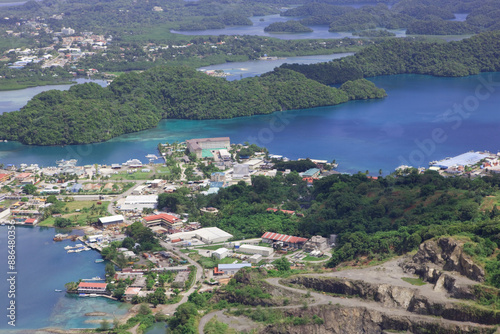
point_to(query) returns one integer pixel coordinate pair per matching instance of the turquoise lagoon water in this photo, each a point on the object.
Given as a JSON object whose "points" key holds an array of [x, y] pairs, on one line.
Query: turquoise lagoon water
{"points": [[360, 135], [42, 266]]}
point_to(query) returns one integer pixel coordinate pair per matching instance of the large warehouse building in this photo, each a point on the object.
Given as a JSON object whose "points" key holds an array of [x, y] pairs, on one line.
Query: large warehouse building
{"points": [[113, 220], [140, 202], [202, 146], [251, 249], [208, 235], [287, 240]]}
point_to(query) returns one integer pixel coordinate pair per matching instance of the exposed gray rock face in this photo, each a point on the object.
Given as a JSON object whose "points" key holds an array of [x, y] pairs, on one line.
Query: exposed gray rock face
{"points": [[408, 299], [444, 254], [352, 320]]}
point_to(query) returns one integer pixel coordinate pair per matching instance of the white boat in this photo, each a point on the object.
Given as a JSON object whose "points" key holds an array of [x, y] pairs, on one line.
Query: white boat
{"points": [[97, 278], [79, 250], [71, 251], [57, 290], [68, 247], [99, 260], [79, 245]]}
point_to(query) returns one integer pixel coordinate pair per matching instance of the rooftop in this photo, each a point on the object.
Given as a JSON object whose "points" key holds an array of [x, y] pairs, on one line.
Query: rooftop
{"points": [[195, 143], [163, 216], [465, 159], [283, 237], [132, 291], [111, 219], [92, 285], [233, 266]]}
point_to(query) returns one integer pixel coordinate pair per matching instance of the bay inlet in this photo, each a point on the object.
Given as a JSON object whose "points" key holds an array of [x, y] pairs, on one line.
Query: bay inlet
{"points": [[360, 135]]}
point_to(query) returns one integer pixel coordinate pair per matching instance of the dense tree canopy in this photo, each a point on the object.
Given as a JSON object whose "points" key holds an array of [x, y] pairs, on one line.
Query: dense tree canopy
{"points": [[402, 56], [288, 26], [137, 101]]}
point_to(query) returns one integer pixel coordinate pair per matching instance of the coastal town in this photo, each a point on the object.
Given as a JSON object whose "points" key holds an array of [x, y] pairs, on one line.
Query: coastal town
{"points": [[103, 202], [117, 210]]}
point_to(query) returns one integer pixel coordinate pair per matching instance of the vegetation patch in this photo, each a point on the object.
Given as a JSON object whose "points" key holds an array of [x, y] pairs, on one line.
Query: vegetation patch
{"points": [[413, 281]]}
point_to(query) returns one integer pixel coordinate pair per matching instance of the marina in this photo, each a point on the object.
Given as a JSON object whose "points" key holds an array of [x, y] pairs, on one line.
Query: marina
{"points": [[38, 256]]}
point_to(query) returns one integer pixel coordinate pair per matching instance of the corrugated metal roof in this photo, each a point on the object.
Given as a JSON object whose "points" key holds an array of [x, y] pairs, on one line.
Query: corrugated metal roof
{"points": [[163, 216], [92, 285], [283, 237], [233, 266]]}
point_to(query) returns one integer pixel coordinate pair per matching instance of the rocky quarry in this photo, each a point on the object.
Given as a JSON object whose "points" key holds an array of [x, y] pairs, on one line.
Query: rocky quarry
{"points": [[377, 299]]}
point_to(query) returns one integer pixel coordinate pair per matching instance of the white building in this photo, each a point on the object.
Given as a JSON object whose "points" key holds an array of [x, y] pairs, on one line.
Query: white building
{"points": [[231, 269], [94, 238], [112, 220], [256, 258], [251, 249], [224, 154], [139, 202], [208, 235], [67, 31], [241, 171], [220, 253], [133, 163]]}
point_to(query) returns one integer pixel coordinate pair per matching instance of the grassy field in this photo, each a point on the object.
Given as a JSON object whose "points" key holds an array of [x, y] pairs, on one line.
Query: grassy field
{"points": [[159, 34], [215, 247], [78, 218], [314, 258], [133, 176], [163, 170]]}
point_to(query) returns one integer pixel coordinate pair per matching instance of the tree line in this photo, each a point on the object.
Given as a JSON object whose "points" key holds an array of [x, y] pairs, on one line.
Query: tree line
{"points": [[406, 56], [89, 113]]}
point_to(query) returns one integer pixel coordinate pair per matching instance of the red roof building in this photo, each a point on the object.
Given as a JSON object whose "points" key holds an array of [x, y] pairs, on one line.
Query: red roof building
{"points": [[30, 221], [85, 287], [22, 176], [4, 177], [295, 242], [163, 219]]}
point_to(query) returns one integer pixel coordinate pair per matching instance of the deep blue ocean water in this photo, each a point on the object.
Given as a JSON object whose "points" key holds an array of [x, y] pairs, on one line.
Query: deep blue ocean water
{"points": [[360, 135], [43, 265]]}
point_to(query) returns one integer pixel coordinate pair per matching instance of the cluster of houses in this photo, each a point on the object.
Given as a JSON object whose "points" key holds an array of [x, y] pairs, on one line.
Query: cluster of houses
{"points": [[70, 50]]}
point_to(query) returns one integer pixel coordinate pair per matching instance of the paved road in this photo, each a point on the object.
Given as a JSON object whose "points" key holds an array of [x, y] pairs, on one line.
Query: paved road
{"points": [[170, 309], [322, 299], [124, 194]]}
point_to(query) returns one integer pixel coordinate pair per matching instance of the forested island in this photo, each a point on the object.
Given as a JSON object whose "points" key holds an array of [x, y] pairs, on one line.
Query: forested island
{"points": [[36, 51], [402, 56], [89, 113], [288, 26], [138, 101], [419, 17]]}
